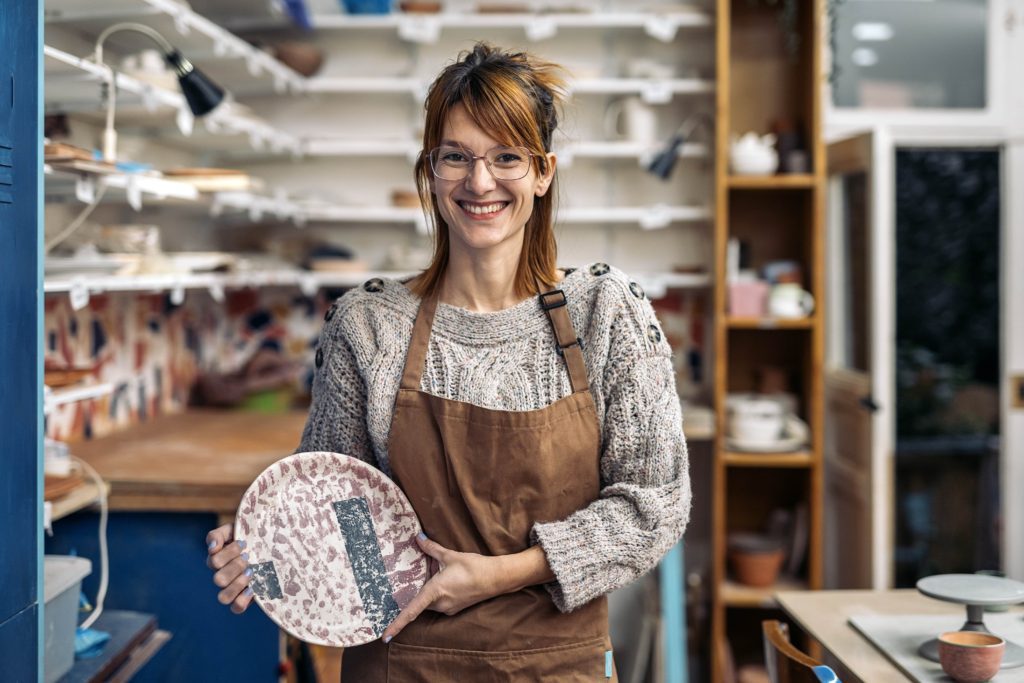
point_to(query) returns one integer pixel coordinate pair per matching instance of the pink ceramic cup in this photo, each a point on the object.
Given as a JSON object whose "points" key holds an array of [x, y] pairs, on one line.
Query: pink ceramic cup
{"points": [[970, 656]]}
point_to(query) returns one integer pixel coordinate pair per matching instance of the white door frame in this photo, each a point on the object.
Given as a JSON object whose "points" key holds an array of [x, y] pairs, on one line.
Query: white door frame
{"points": [[1000, 125]]}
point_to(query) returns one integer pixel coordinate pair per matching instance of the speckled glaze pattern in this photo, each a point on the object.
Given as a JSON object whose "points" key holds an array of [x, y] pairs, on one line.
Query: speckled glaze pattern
{"points": [[289, 518]]}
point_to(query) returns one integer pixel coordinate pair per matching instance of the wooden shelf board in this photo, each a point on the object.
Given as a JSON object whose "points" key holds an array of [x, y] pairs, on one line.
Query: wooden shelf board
{"points": [[797, 459], [793, 181], [82, 496], [770, 323], [733, 594]]}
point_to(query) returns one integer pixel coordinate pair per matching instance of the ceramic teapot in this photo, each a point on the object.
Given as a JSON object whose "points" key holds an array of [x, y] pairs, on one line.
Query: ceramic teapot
{"points": [[753, 154]]}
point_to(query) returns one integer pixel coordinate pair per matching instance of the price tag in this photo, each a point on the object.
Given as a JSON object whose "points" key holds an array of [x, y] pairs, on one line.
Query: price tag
{"points": [[655, 218], [178, 294], [78, 294], [217, 292], [186, 121], [309, 285], [85, 189], [419, 29], [661, 28], [133, 188], [656, 92], [541, 28]]}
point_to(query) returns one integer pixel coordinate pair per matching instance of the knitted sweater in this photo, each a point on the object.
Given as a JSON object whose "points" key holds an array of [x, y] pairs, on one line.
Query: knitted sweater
{"points": [[506, 360]]}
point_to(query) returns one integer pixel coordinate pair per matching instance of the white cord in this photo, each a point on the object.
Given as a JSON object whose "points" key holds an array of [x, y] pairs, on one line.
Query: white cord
{"points": [[101, 594], [79, 219]]}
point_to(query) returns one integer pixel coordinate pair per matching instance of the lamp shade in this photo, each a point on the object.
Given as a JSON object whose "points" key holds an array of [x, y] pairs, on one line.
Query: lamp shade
{"points": [[202, 94], [665, 161]]}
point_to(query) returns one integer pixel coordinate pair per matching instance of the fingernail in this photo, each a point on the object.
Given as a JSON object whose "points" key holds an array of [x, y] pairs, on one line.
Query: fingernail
{"points": [[247, 591], [245, 556], [211, 545], [387, 639], [422, 536], [248, 571], [241, 544]]}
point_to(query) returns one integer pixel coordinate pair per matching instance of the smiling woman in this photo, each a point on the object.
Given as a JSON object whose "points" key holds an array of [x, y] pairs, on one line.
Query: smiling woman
{"points": [[529, 414]]}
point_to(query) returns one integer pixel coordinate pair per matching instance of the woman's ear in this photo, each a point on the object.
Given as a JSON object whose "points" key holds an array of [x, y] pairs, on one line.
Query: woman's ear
{"points": [[544, 180]]}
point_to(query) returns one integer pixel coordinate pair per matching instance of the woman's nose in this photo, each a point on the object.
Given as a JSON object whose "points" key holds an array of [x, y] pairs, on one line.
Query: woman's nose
{"points": [[479, 180]]}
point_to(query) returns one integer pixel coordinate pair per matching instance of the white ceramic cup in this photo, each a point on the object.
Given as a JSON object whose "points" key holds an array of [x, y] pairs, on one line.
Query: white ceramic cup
{"points": [[633, 119], [756, 420], [789, 300]]}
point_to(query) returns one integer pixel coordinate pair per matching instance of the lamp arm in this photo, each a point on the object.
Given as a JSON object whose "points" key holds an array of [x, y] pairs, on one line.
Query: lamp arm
{"points": [[109, 134]]}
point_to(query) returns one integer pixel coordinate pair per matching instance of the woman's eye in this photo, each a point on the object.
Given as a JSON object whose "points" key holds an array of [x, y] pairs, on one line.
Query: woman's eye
{"points": [[508, 158]]}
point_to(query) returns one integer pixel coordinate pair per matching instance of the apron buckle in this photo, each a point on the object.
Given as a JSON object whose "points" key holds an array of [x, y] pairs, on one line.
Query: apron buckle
{"points": [[546, 305], [560, 350]]}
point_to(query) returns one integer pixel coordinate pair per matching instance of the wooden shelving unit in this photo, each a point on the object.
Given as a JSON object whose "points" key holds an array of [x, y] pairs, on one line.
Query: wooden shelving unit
{"points": [[761, 81]]}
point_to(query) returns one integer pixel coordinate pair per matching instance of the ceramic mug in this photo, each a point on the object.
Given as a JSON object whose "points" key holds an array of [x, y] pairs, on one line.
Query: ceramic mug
{"points": [[789, 300], [755, 419], [633, 119]]}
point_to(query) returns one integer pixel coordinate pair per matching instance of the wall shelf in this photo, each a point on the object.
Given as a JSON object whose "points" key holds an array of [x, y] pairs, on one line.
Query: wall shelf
{"points": [[224, 56], [734, 594], [73, 84], [409, 149], [770, 323], [741, 459], [772, 182]]}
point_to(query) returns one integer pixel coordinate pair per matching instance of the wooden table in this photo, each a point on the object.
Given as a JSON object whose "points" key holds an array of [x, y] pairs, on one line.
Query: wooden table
{"points": [[825, 614], [198, 461]]}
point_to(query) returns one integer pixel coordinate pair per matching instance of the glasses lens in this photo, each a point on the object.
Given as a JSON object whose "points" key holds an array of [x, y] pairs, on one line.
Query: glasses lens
{"points": [[450, 163], [509, 163], [504, 163]]}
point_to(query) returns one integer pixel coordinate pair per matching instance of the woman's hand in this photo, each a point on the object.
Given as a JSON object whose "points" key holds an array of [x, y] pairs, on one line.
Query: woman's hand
{"points": [[464, 579], [230, 563]]}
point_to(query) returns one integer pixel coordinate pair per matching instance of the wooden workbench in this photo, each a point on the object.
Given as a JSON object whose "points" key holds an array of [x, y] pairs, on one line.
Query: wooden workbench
{"points": [[198, 461]]}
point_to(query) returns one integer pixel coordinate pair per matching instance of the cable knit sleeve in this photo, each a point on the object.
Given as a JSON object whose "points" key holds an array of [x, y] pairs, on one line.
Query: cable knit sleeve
{"points": [[337, 414], [644, 504]]}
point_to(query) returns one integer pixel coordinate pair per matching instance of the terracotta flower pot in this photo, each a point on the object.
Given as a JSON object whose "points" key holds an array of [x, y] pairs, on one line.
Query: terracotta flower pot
{"points": [[971, 656], [755, 559]]}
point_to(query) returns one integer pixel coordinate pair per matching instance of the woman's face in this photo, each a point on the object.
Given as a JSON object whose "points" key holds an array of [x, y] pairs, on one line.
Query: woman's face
{"points": [[481, 212]]}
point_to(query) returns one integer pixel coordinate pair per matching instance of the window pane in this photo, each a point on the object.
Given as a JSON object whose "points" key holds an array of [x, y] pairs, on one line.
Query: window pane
{"points": [[909, 54]]}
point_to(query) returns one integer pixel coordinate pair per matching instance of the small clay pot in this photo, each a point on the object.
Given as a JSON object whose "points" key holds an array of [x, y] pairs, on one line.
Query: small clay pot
{"points": [[971, 656], [304, 58], [756, 559]]}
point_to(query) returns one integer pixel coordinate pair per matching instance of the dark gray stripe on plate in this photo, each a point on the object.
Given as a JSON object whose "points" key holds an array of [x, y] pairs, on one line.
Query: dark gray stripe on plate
{"points": [[367, 562], [264, 581]]}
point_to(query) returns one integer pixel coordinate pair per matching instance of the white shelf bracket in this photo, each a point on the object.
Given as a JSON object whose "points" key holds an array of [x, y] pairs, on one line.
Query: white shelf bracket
{"points": [[541, 28], [661, 28], [426, 30], [655, 218], [78, 294]]}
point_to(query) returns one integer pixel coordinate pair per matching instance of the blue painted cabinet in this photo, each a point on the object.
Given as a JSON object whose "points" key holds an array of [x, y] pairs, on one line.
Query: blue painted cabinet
{"points": [[20, 313]]}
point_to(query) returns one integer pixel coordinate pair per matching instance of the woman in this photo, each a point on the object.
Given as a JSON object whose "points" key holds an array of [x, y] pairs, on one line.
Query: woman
{"points": [[529, 414]]}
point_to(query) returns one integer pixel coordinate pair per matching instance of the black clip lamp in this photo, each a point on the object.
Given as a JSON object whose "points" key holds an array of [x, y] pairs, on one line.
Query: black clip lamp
{"points": [[665, 160], [201, 94]]}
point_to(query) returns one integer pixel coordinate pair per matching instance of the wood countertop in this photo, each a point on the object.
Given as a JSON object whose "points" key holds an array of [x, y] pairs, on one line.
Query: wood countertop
{"points": [[198, 461]]}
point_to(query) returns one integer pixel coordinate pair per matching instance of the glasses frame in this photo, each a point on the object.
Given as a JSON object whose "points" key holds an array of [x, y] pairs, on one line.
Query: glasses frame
{"points": [[473, 158]]}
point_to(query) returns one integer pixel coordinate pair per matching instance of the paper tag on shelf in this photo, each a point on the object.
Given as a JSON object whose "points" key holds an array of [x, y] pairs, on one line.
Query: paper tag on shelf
{"points": [[661, 28], [133, 190], [541, 28], [178, 294], [217, 292], [309, 285], [78, 294], [655, 217], [656, 92], [419, 29], [85, 189], [185, 121]]}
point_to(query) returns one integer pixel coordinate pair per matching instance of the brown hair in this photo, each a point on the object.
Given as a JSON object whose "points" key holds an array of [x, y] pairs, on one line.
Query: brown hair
{"points": [[513, 96]]}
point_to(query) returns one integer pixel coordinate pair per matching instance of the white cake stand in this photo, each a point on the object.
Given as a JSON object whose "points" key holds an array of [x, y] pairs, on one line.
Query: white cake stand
{"points": [[977, 592]]}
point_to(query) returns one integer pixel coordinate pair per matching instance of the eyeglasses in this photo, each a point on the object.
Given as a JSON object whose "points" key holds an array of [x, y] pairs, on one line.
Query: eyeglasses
{"points": [[450, 162]]}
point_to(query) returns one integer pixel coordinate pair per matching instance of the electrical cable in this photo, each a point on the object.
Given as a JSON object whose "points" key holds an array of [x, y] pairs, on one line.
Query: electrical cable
{"points": [[77, 222], [101, 594]]}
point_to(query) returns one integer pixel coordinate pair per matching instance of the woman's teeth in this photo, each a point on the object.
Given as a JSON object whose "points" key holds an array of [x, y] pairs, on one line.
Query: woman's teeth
{"points": [[481, 209]]}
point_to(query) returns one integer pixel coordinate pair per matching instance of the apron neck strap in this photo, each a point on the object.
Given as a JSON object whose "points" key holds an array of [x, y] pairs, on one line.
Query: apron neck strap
{"points": [[568, 345], [417, 354]]}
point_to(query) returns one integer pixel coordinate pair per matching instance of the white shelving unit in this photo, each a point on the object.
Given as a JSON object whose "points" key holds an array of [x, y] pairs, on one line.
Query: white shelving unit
{"points": [[225, 56]]}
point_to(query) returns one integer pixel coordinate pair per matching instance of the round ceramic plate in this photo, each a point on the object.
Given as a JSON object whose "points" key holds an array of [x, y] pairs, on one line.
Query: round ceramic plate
{"points": [[783, 445], [332, 546]]}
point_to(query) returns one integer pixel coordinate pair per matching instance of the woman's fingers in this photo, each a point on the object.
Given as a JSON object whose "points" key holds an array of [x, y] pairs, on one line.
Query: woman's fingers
{"points": [[234, 588], [433, 549], [241, 603], [218, 538], [422, 601]]}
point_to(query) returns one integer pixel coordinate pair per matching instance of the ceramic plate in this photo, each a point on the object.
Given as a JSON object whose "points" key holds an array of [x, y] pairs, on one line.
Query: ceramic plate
{"points": [[331, 541]]}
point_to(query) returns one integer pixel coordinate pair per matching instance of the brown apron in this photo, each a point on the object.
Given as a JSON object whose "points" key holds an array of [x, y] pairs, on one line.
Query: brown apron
{"points": [[479, 479]]}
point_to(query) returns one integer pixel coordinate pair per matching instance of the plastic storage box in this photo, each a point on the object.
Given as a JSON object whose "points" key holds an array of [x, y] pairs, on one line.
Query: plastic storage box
{"points": [[62, 584]]}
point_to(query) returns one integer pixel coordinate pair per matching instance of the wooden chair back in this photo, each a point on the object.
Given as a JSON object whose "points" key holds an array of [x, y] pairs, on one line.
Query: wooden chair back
{"points": [[785, 663]]}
